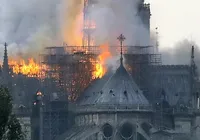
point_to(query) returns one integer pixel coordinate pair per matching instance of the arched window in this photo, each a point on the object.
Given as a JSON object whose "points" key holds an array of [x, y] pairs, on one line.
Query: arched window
{"points": [[107, 130], [126, 131]]}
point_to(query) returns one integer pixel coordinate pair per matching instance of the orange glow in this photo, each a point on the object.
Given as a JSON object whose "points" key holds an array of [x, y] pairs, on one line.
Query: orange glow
{"points": [[99, 70], [39, 93], [100, 67], [73, 22], [30, 69], [74, 35]]}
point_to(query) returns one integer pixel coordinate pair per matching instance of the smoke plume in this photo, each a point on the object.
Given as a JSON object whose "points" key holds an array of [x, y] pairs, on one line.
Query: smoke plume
{"points": [[71, 21], [181, 53], [29, 26], [116, 17]]}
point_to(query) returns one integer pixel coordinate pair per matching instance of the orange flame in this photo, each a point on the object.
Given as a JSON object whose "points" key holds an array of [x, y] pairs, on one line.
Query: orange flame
{"points": [[73, 23], [100, 67], [30, 69]]}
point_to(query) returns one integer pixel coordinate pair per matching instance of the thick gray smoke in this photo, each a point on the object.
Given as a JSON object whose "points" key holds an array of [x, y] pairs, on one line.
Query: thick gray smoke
{"points": [[181, 53], [28, 26], [116, 17]]}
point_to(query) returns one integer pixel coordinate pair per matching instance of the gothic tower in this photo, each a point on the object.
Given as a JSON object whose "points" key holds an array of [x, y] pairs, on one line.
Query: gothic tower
{"points": [[5, 59], [5, 70]]}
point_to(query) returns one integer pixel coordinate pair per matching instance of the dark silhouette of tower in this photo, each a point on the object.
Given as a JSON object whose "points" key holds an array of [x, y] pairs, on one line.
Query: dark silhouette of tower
{"points": [[5, 59], [5, 70], [194, 80], [36, 117]]}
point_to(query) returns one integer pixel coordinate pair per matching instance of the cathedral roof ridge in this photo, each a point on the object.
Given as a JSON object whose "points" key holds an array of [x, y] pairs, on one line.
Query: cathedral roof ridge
{"points": [[121, 89]]}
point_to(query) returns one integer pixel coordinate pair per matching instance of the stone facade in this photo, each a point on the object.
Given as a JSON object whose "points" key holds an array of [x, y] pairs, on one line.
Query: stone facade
{"points": [[107, 116], [26, 126]]}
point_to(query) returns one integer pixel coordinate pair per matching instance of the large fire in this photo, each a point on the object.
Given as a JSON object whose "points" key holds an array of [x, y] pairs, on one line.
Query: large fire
{"points": [[30, 68], [73, 35], [100, 67]]}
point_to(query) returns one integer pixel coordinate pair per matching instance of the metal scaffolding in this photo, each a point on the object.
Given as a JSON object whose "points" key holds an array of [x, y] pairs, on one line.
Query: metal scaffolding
{"points": [[55, 119], [89, 25], [72, 67]]}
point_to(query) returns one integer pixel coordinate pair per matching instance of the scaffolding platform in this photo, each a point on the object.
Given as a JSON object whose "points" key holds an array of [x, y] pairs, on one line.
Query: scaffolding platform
{"points": [[72, 67]]}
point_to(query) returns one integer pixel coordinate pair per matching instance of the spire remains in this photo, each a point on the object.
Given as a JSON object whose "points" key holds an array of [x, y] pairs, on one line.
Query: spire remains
{"points": [[5, 69], [121, 38], [5, 44], [5, 59]]}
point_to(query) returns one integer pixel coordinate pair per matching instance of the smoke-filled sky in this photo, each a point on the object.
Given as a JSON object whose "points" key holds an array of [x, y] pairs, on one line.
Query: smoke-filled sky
{"points": [[176, 20], [30, 25]]}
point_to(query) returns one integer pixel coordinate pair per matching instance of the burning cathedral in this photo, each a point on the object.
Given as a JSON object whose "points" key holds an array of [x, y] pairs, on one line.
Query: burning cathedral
{"points": [[141, 100]]}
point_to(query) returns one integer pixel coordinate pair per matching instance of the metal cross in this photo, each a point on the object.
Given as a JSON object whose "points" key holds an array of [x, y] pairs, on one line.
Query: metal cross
{"points": [[121, 38]]}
